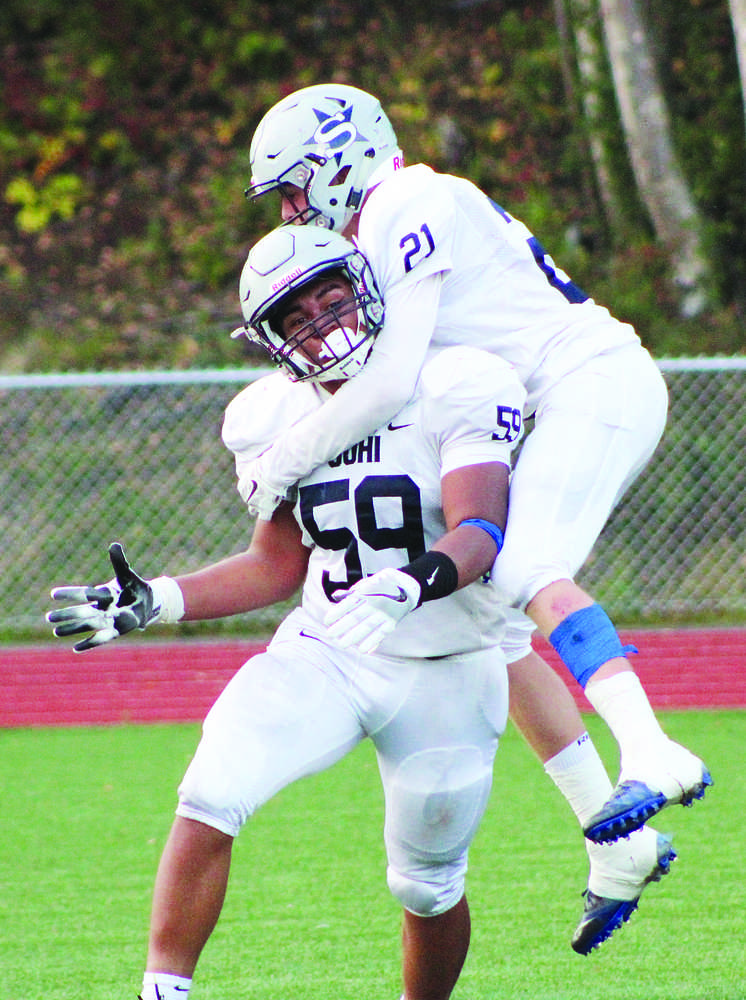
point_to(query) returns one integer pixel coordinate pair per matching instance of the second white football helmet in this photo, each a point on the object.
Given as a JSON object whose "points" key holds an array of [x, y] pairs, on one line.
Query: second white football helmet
{"points": [[279, 266], [327, 140]]}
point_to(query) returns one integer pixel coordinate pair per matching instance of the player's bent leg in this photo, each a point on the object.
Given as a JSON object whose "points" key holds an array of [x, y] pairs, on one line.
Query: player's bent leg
{"points": [[279, 718], [188, 897], [592, 438], [433, 952], [619, 874], [656, 772]]}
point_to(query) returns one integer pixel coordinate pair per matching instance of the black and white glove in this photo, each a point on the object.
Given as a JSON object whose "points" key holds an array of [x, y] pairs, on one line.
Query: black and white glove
{"points": [[112, 609], [371, 609]]}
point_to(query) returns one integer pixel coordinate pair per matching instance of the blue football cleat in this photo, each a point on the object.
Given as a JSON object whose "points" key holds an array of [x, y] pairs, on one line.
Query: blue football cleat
{"points": [[633, 802], [603, 915]]}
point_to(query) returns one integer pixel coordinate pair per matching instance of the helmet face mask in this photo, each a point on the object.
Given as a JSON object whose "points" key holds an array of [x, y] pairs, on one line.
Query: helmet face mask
{"points": [[327, 347], [327, 140], [296, 178], [335, 342]]}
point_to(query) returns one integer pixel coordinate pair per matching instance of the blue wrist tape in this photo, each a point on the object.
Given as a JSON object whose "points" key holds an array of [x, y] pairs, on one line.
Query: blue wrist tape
{"points": [[492, 529], [586, 640]]}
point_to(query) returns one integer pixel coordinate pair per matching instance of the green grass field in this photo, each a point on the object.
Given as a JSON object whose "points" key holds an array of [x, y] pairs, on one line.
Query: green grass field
{"points": [[308, 916]]}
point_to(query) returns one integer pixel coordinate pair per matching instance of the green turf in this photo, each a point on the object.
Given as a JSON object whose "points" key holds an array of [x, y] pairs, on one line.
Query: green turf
{"points": [[308, 917]]}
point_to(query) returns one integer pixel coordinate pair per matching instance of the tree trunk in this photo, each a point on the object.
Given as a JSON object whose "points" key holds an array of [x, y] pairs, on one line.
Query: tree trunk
{"points": [[738, 18], [647, 128], [581, 18]]}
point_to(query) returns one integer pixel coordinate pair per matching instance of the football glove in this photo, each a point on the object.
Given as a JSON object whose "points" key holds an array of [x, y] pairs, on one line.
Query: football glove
{"points": [[371, 609], [112, 609], [260, 498]]}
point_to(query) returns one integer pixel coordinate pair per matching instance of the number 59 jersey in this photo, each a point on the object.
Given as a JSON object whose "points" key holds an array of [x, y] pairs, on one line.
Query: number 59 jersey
{"points": [[378, 504]]}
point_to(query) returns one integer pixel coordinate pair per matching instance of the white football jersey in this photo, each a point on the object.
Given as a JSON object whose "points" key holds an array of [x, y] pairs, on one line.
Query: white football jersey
{"points": [[378, 504], [501, 291]]}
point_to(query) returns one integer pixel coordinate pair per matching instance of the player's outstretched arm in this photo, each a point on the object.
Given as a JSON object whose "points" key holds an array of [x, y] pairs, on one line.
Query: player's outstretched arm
{"points": [[270, 570]]}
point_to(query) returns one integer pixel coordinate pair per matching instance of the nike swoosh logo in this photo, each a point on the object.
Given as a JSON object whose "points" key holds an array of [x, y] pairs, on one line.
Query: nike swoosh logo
{"points": [[398, 427], [399, 598], [307, 635]]}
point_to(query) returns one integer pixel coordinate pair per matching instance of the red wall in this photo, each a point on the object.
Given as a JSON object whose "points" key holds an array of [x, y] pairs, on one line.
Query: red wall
{"points": [[138, 681]]}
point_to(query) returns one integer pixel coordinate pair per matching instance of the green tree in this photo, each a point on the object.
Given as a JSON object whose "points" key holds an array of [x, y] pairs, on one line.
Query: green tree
{"points": [[124, 135]]}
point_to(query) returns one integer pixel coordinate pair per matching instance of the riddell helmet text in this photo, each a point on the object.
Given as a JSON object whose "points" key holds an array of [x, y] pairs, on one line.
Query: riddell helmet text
{"points": [[286, 279]]}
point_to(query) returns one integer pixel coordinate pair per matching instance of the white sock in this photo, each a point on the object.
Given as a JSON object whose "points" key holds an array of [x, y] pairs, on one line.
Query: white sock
{"points": [[580, 775], [165, 986], [621, 702]]}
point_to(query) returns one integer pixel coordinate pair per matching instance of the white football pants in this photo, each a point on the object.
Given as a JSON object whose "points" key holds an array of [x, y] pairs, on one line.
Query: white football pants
{"points": [[594, 433], [304, 704]]}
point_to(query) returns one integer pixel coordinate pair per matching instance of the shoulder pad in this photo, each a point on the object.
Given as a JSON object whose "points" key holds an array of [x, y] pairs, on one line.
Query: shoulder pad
{"points": [[260, 412]]}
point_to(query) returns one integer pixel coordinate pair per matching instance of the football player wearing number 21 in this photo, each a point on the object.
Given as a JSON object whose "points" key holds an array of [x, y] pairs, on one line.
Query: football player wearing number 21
{"points": [[454, 267]]}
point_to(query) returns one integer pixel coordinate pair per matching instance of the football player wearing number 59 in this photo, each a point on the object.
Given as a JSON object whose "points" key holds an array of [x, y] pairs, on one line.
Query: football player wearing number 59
{"points": [[398, 634], [456, 268]]}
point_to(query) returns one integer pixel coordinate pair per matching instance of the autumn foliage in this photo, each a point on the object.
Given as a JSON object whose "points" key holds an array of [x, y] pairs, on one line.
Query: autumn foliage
{"points": [[124, 134]]}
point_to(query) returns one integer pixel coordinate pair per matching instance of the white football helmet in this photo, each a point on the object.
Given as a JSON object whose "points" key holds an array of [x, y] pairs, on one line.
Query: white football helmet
{"points": [[327, 140], [278, 266]]}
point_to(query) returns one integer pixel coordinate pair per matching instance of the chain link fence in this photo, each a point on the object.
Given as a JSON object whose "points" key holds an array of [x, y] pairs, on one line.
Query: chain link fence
{"points": [[138, 458]]}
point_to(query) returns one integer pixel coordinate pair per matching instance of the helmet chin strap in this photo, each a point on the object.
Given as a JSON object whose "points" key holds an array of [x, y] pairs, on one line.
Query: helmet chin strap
{"points": [[341, 344]]}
